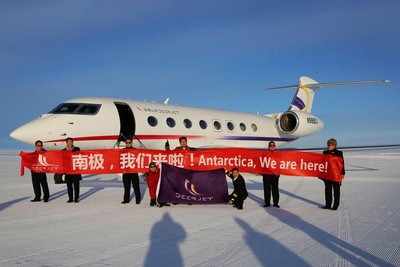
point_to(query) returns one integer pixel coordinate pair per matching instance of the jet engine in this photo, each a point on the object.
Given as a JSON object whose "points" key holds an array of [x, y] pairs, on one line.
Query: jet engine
{"points": [[296, 123]]}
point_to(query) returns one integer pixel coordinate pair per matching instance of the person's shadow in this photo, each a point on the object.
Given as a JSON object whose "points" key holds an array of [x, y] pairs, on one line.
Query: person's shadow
{"points": [[165, 237], [268, 251], [354, 255], [8, 204]]}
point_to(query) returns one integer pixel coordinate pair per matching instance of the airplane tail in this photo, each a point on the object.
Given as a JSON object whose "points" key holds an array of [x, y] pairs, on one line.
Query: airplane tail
{"points": [[304, 97]]}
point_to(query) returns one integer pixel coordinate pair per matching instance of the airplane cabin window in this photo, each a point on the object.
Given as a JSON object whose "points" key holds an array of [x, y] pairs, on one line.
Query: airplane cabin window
{"points": [[77, 108], [152, 121], [230, 126], [242, 126], [187, 123], [254, 127], [217, 126], [203, 124], [171, 122]]}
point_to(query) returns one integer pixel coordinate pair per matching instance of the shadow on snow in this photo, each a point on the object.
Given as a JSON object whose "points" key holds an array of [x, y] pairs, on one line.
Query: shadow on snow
{"points": [[165, 237]]}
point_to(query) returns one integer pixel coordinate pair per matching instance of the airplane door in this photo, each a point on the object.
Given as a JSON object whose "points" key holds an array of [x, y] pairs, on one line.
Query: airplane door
{"points": [[127, 121]]}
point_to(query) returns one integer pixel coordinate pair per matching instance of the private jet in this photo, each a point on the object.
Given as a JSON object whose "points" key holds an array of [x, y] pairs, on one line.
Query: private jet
{"points": [[98, 123]]}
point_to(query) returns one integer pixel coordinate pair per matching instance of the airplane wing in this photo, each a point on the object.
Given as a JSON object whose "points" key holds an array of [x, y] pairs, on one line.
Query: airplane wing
{"points": [[345, 148]]}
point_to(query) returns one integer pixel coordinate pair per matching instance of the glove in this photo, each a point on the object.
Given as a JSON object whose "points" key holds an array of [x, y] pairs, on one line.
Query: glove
{"points": [[230, 202]]}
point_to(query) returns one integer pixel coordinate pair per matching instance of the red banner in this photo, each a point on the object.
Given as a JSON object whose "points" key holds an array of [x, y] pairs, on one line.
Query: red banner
{"points": [[294, 163], [52, 161]]}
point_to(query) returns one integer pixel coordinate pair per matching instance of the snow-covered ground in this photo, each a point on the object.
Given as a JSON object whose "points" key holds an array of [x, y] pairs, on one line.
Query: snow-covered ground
{"points": [[99, 231]]}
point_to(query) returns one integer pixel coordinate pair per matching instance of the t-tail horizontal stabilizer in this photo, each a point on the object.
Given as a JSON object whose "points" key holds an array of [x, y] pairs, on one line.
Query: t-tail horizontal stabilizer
{"points": [[306, 88]]}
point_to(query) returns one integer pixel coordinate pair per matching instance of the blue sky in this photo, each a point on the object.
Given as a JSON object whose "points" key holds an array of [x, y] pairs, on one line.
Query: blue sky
{"points": [[215, 54]]}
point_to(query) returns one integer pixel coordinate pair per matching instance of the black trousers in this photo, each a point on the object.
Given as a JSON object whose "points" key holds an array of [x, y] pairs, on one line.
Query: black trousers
{"points": [[239, 199], [40, 179], [329, 185], [128, 179], [73, 186], [239, 202], [271, 183]]}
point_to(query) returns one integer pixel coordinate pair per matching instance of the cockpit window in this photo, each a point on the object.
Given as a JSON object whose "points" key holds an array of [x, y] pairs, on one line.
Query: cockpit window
{"points": [[88, 109], [77, 108], [65, 108]]}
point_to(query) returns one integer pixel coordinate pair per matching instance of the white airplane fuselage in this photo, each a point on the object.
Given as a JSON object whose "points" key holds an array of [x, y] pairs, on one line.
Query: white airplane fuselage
{"points": [[96, 123]]}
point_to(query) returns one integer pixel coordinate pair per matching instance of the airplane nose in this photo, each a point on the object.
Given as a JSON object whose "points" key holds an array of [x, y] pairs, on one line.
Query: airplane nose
{"points": [[14, 134], [42, 128], [32, 131], [21, 134]]}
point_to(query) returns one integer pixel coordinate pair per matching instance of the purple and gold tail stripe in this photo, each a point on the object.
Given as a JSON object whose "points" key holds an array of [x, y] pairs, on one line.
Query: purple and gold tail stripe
{"points": [[303, 99], [297, 102]]}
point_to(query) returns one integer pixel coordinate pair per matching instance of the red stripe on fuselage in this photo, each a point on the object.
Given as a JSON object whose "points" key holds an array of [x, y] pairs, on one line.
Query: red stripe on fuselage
{"points": [[146, 137]]}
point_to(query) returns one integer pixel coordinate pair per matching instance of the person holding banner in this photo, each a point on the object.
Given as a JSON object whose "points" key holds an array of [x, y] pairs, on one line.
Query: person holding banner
{"points": [[40, 179], [130, 178], [239, 193], [270, 183], [152, 177], [329, 185], [72, 180], [183, 145]]}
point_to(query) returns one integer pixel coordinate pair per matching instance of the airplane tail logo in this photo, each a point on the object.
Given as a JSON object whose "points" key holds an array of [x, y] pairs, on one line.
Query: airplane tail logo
{"points": [[191, 189], [303, 100]]}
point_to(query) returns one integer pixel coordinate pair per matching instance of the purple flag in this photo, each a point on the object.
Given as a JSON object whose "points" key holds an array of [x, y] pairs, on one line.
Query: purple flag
{"points": [[184, 186]]}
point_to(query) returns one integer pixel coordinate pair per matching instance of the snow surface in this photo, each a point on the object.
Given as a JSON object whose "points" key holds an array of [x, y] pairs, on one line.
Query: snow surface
{"points": [[99, 231]]}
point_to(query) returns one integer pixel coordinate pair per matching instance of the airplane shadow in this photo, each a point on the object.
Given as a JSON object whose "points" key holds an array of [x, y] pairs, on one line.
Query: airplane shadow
{"points": [[259, 186], [165, 237], [267, 250], [88, 176], [290, 194], [355, 168], [97, 185], [351, 253], [98, 182], [58, 194], [8, 204]]}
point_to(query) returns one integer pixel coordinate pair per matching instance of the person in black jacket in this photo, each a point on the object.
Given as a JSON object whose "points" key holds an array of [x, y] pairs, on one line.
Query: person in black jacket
{"points": [[72, 180], [239, 193], [40, 179], [270, 183], [329, 185], [130, 178]]}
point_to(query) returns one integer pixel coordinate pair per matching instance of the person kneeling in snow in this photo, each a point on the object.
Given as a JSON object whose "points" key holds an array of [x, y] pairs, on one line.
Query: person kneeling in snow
{"points": [[239, 193]]}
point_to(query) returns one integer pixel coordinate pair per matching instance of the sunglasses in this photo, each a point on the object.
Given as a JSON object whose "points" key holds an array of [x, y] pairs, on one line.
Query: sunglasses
{"points": [[128, 142], [39, 145], [271, 145]]}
